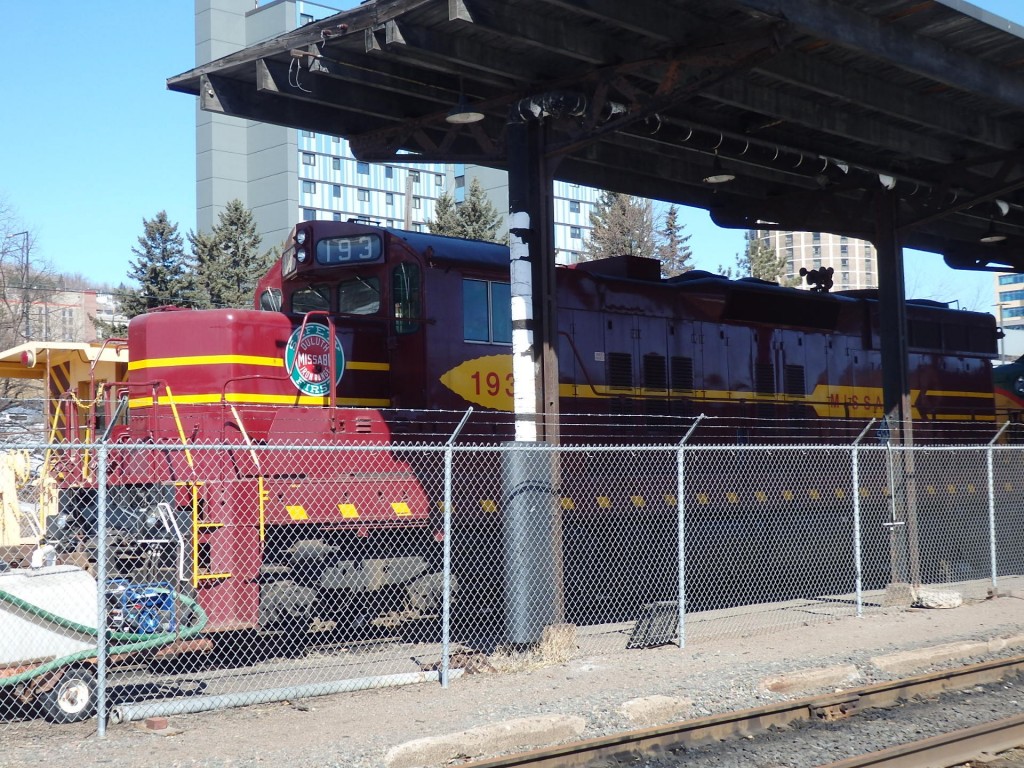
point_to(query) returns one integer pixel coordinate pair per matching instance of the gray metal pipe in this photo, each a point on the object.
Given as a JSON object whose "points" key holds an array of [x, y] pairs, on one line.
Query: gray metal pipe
{"points": [[126, 713]]}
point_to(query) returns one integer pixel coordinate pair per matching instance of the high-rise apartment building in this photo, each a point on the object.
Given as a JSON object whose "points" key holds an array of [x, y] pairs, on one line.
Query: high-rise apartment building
{"points": [[1009, 289], [285, 175], [853, 261]]}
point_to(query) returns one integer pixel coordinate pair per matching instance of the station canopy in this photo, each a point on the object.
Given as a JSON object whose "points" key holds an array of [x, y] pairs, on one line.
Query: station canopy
{"points": [[777, 114]]}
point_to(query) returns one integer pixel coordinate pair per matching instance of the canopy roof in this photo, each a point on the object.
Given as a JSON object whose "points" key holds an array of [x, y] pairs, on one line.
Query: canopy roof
{"points": [[811, 104], [34, 359]]}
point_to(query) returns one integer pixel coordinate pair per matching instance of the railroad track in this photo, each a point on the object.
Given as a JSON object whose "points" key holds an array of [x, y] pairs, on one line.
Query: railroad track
{"points": [[947, 750]]}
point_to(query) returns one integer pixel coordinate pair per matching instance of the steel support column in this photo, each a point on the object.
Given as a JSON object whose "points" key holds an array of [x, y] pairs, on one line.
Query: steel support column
{"points": [[892, 308], [896, 387], [535, 322], [532, 222]]}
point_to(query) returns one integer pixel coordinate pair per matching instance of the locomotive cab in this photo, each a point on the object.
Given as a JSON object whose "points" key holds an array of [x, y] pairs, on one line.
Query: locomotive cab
{"points": [[361, 282]]}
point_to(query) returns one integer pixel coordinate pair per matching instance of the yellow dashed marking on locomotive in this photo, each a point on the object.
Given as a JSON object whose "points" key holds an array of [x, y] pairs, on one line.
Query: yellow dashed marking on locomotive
{"points": [[348, 510], [865, 492], [761, 496], [702, 498], [604, 502], [732, 497], [297, 512], [787, 495], [401, 509], [813, 493], [568, 503], [638, 501], [970, 487], [840, 493], [1007, 487], [931, 490], [670, 499], [488, 505], [952, 489]]}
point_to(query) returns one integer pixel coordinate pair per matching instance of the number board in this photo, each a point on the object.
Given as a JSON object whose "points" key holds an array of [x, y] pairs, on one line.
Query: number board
{"points": [[354, 249]]}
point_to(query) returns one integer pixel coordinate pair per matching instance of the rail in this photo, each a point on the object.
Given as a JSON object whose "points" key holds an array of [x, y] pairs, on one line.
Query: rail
{"points": [[954, 748], [627, 747]]}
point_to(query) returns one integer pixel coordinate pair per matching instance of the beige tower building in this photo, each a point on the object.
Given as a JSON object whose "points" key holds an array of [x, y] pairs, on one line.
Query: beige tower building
{"points": [[853, 261]]}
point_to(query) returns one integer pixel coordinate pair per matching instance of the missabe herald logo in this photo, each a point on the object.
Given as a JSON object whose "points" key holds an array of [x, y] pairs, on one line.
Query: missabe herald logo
{"points": [[307, 360]]}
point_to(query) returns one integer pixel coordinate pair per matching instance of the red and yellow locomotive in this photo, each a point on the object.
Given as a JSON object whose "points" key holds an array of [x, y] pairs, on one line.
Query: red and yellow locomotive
{"points": [[363, 338]]}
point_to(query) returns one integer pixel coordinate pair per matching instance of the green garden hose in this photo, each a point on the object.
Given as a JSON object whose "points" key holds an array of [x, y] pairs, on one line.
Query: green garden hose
{"points": [[133, 642]]}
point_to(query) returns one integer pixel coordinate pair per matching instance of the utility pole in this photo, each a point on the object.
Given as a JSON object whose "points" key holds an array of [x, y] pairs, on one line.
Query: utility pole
{"points": [[407, 218]]}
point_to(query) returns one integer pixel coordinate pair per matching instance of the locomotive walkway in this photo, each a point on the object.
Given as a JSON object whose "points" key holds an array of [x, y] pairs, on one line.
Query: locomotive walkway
{"points": [[731, 661]]}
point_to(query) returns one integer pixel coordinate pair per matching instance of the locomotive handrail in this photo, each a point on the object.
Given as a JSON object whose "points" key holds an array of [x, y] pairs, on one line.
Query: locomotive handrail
{"points": [[247, 377], [332, 337], [122, 403], [113, 341], [260, 490], [167, 518], [245, 436], [580, 361], [181, 428]]}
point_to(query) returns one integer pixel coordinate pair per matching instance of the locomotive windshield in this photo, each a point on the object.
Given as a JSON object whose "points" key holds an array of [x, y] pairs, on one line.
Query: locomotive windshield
{"points": [[360, 296], [352, 249]]}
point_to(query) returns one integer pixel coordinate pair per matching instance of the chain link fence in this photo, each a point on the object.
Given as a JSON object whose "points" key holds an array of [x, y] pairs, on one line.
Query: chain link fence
{"points": [[177, 578]]}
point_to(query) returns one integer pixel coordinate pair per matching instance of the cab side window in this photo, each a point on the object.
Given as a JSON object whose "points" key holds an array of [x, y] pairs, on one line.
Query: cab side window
{"points": [[405, 289], [270, 300], [486, 311]]}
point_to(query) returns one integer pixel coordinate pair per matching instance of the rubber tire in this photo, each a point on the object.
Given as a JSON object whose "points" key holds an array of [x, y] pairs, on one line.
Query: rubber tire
{"points": [[72, 699]]}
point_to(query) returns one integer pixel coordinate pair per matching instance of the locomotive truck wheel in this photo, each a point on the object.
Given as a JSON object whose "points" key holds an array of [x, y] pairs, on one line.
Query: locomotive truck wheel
{"points": [[72, 699]]}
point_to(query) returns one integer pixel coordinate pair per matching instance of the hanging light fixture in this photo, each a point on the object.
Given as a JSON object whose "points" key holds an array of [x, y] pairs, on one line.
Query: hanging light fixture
{"points": [[991, 236], [462, 113], [718, 174]]}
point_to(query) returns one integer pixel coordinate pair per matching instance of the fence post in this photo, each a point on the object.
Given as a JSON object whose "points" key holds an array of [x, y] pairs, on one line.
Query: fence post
{"points": [[858, 565], [681, 530], [992, 504], [101, 590], [446, 575]]}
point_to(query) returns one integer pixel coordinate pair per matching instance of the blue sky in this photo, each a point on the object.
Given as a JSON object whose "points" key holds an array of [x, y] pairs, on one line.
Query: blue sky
{"points": [[92, 142]]}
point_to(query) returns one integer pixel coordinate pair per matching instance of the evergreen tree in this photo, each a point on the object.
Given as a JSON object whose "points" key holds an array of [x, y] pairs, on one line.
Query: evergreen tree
{"points": [[161, 268], [474, 219], [480, 219], [204, 254], [446, 217], [673, 250], [228, 259], [760, 261], [621, 225]]}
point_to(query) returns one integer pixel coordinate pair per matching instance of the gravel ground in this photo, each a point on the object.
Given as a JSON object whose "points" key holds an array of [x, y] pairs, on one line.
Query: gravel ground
{"points": [[811, 744], [711, 676]]}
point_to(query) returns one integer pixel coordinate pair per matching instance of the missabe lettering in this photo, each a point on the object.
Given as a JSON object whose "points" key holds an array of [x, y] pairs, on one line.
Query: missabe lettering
{"points": [[308, 361]]}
